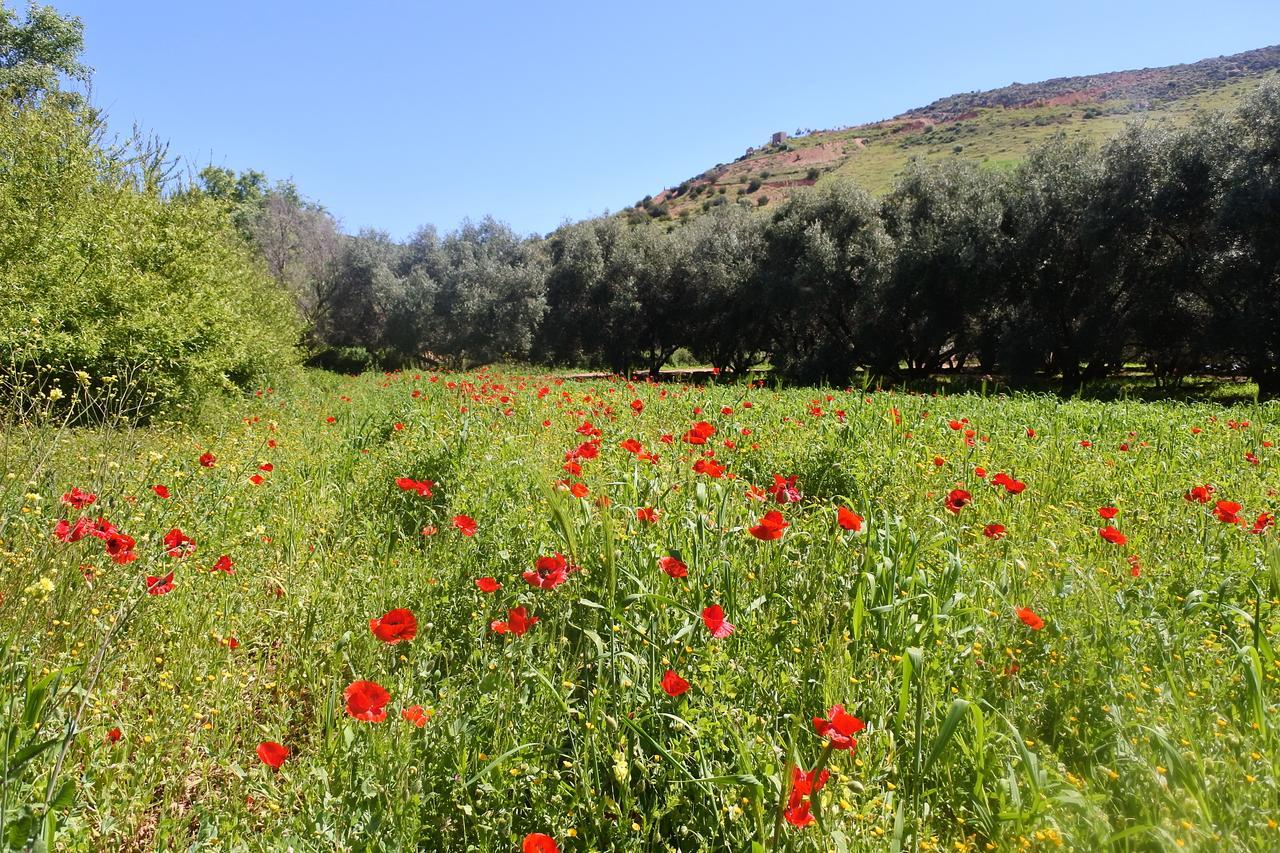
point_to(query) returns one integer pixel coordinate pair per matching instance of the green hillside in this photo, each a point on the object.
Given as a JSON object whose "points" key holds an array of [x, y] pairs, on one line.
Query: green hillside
{"points": [[995, 128]]}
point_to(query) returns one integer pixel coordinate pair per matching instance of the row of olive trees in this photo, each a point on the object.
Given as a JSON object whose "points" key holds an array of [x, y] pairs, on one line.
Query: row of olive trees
{"points": [[1160, 246]]}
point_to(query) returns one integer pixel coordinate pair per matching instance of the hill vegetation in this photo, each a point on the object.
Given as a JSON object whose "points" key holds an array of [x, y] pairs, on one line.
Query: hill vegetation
{"points": [[996, 128]]}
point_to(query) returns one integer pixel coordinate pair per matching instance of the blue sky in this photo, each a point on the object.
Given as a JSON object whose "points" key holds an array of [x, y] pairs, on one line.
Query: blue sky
{"points": [[394, 115]]}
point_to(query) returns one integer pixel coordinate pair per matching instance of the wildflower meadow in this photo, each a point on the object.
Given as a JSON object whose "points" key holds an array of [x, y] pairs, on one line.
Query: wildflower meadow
{"points": [[499, 612]]}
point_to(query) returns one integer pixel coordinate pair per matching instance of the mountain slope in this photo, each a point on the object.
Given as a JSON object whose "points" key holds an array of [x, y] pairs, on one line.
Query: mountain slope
{"points": [[995, 128]]}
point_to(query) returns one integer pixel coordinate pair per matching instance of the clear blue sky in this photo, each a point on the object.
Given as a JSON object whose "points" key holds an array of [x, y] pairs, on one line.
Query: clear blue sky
{"points": [[394, 115]]}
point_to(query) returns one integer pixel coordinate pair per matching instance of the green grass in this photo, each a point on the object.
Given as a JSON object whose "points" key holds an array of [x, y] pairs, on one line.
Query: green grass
{"points": [[1143, 716]]}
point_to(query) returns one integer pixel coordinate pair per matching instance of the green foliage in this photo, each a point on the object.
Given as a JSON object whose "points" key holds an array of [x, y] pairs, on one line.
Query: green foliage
{"points": [[37, 52], [101, 276], [1142, 715]]}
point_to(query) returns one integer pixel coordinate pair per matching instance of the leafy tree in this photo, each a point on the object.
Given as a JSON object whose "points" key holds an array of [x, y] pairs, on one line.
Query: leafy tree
{"points": [[37, 52], [1246, 298], [727, 312], [826, 250], [944, 221]]}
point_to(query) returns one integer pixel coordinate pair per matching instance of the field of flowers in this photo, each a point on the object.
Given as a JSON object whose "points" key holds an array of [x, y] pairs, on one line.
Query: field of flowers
{"points": [[496, 613]]}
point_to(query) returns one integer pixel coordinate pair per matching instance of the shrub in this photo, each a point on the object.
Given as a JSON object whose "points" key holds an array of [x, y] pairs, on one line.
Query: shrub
{"points": [[101, 274]]}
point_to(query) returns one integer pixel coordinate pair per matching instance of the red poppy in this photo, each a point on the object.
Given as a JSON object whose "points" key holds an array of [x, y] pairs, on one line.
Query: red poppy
{"points": [[537, 842], [770, 527], [1012, 486], [256, 479], [579, 490], [637, 406], [466, 525], [1108, 512], [272, 754], [1264, 521], [366, 701], [958, 499], [487, 585], [994, 531], [178, 544], [77, 499], [518, 622], [673, 566], [224, 565], [839, 728], [784, 490], [673, 684], [416, 714], [267, 467], [159, 586], [1228, 512], [709, 467], [1112, 535], [548, 572], [395, 626], [430, 530], [119, 547], [803, 786], [713, 618], [1030, 619], [207, 460], [113, 735], [631, 445], [847, 519], [422, 488], [648, 515], [699, 433], [65, 531], [161, 491], [1199, 494]]}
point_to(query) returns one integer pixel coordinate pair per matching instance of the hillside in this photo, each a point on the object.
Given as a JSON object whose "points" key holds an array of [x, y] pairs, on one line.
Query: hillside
{"points": [[995, 128]]}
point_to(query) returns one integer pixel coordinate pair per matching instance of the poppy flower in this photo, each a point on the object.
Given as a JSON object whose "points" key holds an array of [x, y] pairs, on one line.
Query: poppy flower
{"points": [[537, 842], [65, 531], [256, 479], [713, 618], [1012, 486], [422, 488], [430, 530], [395, 626], [1264, 521], [1030, 619], [674, 567], [847, 519], [637, 406], [267, 467], [1199, 494], [647, 514], [272, 754], [416, 714], [487, 585], [113, 735], [466, 525], [1228, 512], [784, 490], [518, 622], [366, 701], [548, 572], [803, 786], [770, 527], [673, 684], [1112, 535], [994, 531], [579, 490], [839, 728], [161, 491], [709, 467], [207, 460], [958, 499], [159, 586], [119, 547], [77, 499], [178, 544], [698, 433], [224, 565], [631, 445], [1108, 512]]}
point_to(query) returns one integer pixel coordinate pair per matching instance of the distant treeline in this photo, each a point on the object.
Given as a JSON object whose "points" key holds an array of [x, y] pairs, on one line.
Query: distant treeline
{"points": [[1160, 247]]}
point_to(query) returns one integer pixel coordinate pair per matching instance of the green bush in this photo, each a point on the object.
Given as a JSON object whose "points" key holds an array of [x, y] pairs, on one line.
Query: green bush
{"points": [[349, 360], [101, 274]]}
